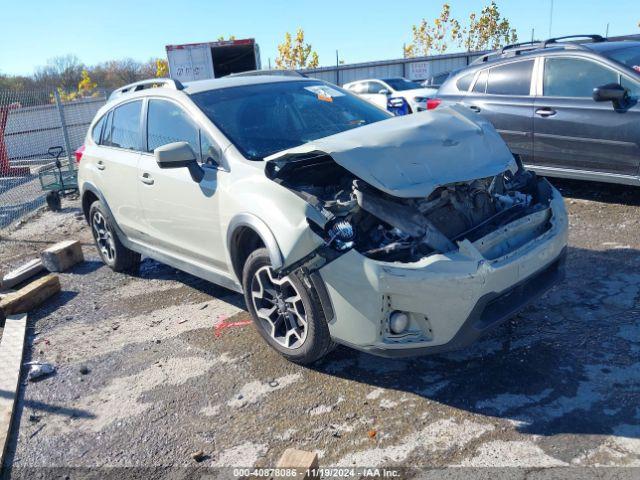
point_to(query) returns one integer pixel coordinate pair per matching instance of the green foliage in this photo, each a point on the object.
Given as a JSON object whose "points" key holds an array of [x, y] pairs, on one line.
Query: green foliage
{"points": [[294, 53], [487, 30]]}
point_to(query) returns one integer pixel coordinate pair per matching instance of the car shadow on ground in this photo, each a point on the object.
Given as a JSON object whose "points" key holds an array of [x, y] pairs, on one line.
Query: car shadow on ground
{"points": [[570, 363], [153, 270], [597, 191]]}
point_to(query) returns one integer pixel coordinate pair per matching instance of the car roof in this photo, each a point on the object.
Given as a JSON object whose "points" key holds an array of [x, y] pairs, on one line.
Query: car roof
{"points": [[599, 46], [229, 81], [616, 45], [365, 80]]}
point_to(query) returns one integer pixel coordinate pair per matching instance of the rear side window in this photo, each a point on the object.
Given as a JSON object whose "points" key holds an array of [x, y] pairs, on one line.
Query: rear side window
{"points": [[97, 130], [463, 83], [107, 130], [574, 77], [510, 79], [168, 123], [481, 83], [125, 126]]}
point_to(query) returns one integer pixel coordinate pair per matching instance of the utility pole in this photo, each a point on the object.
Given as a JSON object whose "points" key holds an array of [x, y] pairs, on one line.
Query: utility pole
{"points": [[606, 35]]}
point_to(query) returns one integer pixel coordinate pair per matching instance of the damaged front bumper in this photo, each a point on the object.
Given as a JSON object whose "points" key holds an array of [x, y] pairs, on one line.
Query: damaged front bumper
{"points": [[451, 299]]}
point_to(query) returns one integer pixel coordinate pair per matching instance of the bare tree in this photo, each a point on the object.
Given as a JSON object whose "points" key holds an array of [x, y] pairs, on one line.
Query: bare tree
{"points": [[64, 72]]}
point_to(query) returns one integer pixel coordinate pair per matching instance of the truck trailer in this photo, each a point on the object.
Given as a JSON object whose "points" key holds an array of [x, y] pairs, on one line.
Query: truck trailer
{"points": [[199, 61]]}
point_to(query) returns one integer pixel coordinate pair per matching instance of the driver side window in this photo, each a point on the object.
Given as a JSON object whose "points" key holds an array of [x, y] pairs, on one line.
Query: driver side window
{"points": [[574, 77], [632, 87], [375, 87], [168, 123]]}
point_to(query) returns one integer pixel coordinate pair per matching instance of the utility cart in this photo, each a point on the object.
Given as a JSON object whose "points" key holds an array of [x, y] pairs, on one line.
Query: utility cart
{"points": [[58, 179]]}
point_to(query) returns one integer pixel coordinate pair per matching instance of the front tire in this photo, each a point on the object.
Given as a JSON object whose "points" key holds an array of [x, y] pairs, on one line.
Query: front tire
{"points": [[287, 313], [112, 252]]}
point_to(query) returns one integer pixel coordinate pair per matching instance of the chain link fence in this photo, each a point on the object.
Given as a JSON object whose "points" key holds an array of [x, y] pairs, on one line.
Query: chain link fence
{"points": [[30, 123]]}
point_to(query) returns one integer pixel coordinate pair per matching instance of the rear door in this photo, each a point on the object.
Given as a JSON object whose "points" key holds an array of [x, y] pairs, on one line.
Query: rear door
{"points": [[503, 95], [572, 131], [181, 216], [117, 165]]}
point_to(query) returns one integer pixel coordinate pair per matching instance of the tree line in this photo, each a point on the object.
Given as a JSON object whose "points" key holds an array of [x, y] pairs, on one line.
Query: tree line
{"points": [[487, 29]]}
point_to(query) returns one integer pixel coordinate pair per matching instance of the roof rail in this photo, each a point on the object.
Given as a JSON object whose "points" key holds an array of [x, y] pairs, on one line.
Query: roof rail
{"points": [[517, 48], [144, 84], [531, 44], [594, 38]]}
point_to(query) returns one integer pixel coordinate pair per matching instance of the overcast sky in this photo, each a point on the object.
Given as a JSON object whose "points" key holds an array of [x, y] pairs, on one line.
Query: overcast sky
{"points": [[33, 31]]}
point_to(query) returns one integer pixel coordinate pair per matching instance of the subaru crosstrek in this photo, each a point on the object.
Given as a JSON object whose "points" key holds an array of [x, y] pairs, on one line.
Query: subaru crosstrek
{"points": [[339, 222]]}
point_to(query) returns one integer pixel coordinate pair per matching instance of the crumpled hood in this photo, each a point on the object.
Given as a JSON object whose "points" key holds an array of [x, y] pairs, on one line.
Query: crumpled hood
{"points": [[410, 156]]}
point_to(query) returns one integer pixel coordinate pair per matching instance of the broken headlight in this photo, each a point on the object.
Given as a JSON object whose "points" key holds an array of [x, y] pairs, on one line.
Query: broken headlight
{"points": [[337, 233]]}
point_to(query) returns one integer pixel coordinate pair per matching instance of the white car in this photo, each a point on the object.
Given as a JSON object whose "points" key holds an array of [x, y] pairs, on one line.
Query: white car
{"points": [[379, 91], [339, 222]]}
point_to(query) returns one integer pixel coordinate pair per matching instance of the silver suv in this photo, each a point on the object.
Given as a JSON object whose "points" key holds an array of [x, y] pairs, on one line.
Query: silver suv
{"points": [[338, 222]]}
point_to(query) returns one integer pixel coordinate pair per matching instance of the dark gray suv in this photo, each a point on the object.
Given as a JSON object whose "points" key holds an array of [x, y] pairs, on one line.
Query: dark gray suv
{"points": [[568, 109]]}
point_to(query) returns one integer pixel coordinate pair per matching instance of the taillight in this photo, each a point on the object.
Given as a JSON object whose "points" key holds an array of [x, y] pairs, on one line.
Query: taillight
{"points": [[78, 153], [433, 103]]}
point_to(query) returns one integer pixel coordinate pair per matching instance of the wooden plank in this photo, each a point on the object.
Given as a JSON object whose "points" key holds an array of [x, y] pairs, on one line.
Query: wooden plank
{"points": [[22, 273], [299, 460], [11, 349], [62, 256], [30, 296]]}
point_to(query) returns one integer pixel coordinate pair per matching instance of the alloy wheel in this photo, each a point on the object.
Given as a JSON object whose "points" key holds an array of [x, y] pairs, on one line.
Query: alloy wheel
{"points": [[103, 237], [279, 308]]}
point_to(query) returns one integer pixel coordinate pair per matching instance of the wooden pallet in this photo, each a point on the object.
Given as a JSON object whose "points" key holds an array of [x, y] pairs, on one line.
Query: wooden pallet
{"points": [[11, 350]]}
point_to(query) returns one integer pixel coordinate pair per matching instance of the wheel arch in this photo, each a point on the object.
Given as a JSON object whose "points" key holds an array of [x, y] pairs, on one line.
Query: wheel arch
{"points": [[245, 233], [91, 193]]}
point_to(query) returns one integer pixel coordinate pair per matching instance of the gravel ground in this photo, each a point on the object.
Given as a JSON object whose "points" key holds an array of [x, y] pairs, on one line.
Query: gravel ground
{"points": [[144, 378]]}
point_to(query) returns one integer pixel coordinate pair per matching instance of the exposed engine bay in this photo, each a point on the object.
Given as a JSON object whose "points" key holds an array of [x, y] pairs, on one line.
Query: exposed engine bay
{"points": [[388, 228]]}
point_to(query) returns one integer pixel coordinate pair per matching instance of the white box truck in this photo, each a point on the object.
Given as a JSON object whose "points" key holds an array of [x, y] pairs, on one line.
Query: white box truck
{"points": [[198, 61]]}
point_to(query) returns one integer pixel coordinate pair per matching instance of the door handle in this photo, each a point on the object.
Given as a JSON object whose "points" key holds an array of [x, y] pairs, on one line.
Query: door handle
{"points": [[475, 108], [545, 112], [146, 178], [101, 165]]}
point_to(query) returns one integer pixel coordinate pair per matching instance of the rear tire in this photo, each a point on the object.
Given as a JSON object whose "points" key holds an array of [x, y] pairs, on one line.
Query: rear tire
{"points": [[287, 313], [112, 252]]}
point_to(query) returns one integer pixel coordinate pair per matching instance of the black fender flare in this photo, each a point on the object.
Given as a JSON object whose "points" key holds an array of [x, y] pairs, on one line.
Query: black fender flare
{"points": [[90, 187], [261, 229]]}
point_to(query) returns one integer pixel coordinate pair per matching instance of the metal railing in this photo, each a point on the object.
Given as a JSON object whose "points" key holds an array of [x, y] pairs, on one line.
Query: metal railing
{"points": [[30, 123]]}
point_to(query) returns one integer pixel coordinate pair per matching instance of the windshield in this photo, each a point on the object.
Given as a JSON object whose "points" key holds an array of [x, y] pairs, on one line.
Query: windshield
{"points": [[266, 118], [401, 84], [630, 56]]}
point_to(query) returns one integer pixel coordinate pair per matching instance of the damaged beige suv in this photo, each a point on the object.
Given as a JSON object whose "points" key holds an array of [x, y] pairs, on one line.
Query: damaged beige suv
{"points": [[339, 223]]}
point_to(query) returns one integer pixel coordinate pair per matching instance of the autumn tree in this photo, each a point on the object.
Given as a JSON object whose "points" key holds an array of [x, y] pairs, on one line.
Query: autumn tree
{"points": [[162, 68], [488, 31], [86, 86], [294, 53], [428, 38]]}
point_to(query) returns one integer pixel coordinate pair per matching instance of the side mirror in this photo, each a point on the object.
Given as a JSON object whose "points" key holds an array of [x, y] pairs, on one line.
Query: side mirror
{"points": [[178, 155], [611, 92], [383, 91]]}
